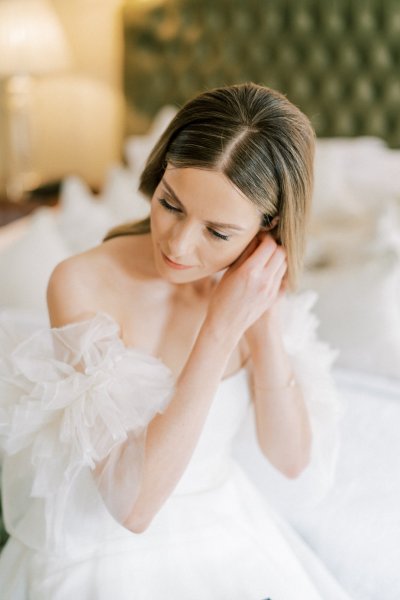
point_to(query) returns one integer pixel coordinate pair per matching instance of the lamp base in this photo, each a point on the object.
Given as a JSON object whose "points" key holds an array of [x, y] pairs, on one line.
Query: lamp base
{"points": [[20, 173], [18, 189]]}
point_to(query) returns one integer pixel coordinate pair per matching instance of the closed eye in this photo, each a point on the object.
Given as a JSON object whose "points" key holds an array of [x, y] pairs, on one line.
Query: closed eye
{"points": [[168, 206], [215, 234], [218, 235]]}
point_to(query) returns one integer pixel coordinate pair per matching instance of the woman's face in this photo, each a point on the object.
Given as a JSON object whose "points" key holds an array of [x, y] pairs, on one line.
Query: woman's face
{"points": [[200, 220]]}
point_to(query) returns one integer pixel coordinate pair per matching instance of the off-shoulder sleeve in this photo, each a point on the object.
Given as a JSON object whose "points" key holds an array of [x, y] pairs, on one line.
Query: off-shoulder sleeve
{"points": [[76, 400], [312, 360]]}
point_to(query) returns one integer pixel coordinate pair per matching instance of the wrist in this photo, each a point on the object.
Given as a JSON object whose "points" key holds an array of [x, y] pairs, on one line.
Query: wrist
{"points": [[220, 334], [288, 385], [264, 332]]}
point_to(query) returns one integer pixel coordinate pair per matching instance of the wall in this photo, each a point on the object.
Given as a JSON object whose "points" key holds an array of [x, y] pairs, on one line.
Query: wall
{"points": [[94, 31], [78, 116], [82, 112]]}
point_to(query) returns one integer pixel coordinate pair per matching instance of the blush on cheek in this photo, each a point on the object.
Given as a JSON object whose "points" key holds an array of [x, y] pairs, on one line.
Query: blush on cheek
{"points": [[157, 225], [238, 255], [228, 262]]}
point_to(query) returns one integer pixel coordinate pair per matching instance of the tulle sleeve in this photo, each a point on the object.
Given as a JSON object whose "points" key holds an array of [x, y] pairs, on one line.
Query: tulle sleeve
{"points": [[75, 402], [312, 360]]}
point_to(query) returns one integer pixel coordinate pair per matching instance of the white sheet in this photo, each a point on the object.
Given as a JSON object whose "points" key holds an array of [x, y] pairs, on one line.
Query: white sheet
{"points": [[355, 528]]}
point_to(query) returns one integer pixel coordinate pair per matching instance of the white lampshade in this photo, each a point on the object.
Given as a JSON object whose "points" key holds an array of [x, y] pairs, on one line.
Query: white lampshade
{"points": [[32, 41]]}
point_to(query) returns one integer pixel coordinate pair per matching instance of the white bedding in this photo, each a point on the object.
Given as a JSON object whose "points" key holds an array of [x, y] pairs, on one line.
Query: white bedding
{"points": [[355, 528]]}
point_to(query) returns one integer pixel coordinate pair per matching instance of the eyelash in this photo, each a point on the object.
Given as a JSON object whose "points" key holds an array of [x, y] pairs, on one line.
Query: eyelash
{"points": [[215, 234]]}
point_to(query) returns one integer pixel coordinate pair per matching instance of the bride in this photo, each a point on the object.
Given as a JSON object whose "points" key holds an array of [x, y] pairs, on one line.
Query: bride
{"points": [[119, 417]]}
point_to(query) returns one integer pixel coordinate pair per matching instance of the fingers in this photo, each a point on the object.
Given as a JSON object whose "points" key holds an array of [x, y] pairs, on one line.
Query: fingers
{"points": [[285, 282], [267, 254], [280, 282], [277, 262], [275, 267], [247, 252], [262, 252], [265, 248], [281, 275], [278, 274]]}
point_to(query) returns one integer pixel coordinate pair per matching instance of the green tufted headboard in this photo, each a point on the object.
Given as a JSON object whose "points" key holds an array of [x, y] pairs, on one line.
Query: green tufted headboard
{"points": [[338, 60]]}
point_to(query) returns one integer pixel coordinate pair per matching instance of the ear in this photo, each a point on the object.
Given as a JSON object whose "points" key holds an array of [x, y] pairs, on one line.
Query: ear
{"points": [[270, 224], [274, 222]]}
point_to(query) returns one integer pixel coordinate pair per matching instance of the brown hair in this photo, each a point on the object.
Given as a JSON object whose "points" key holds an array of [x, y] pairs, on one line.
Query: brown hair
{"points": [[260, 141]]}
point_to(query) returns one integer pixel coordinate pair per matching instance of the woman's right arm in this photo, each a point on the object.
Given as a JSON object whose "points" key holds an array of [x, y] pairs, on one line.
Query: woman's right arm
{"points": [[239, 299], [246, 290], [173, 435]]}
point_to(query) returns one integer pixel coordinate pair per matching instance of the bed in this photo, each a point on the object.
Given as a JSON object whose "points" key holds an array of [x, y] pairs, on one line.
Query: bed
{"points": [[339, 62]]}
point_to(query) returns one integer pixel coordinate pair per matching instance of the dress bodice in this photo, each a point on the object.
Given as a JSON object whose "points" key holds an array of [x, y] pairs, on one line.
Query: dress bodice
{"points": [[210, 462]]}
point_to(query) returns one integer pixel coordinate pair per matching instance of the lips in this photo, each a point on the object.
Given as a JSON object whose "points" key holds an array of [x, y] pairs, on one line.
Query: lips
{"points": [[173, 264]]}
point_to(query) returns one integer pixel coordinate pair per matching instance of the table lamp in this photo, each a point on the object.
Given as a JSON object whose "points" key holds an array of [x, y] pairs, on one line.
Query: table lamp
{"points": [[32, 43]]}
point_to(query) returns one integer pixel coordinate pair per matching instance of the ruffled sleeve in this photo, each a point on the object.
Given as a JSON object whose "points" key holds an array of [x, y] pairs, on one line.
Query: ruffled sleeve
{"points": [[75, 402], [312, 361]]}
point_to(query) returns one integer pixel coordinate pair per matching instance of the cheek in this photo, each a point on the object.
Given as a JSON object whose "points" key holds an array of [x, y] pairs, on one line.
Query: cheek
{"points": [[159, 219], [224, 257], [236, 252]]}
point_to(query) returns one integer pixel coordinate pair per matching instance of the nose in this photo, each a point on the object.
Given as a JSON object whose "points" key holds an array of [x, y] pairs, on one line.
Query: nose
{"points": [[181, 240]]}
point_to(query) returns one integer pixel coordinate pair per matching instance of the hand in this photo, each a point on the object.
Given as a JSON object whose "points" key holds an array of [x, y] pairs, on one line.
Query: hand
{"points": [[268, 322], [250, 286]]}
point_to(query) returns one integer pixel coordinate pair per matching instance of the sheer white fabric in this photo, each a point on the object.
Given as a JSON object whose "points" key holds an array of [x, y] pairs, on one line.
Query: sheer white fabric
{"points": [[312, 360], [75, 404], [74, 401]]}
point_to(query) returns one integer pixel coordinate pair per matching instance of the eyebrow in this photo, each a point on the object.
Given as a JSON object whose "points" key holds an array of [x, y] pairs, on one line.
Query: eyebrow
{"points": [[212, 223]]}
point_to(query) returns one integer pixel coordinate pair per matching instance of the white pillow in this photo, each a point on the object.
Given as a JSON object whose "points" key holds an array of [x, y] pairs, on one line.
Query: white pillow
{"points": [[121, 196], [11, 232], [357, 181], [340, 240], [138, 147], [354, 176], [82, 219], [359, 312], [26, 265]]}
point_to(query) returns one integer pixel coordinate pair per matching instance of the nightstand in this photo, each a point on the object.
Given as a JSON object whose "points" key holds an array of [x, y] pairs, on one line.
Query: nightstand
{"points": [[46, 195]]}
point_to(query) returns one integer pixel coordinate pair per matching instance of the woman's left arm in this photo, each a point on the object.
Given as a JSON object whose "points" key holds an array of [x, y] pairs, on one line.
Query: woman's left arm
{"points": [[282, 420]]}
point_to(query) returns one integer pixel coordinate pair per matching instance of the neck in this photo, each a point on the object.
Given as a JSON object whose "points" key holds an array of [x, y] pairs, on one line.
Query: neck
{"points": [[144, 260]]}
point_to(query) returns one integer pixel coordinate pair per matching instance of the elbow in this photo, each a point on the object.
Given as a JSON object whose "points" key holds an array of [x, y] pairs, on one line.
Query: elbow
{"points": [[137, 526], [137, 523], [290, 471], [301, 462], [294, 471], [142, 515]]}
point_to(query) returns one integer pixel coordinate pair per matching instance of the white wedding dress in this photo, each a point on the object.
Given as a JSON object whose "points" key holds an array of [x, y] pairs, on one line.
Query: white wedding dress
{"points": [[75, 395]]}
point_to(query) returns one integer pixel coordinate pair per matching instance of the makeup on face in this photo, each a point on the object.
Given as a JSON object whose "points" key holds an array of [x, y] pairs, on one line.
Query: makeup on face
{"points": [[173, 264], [200, 223]]}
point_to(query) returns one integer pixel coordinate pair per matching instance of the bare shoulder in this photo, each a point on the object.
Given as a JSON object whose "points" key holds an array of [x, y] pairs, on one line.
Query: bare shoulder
{"points": [[99, 279], [77, 285]]}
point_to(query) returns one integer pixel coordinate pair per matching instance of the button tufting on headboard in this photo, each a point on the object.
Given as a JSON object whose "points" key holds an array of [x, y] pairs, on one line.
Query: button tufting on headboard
{"points": [[338, 61]]}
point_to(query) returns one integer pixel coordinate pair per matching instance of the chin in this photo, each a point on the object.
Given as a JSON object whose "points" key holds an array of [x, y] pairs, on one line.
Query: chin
{"points": [[182, 277]]}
